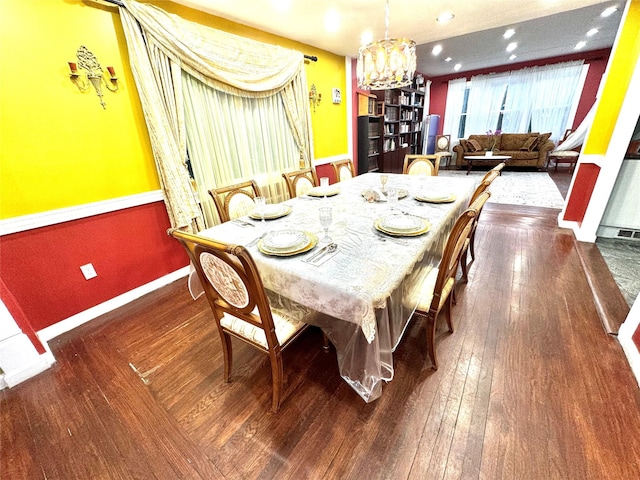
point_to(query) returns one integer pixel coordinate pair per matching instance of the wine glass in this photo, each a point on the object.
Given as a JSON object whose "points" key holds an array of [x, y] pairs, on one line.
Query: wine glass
{"points": [[261, 203], [325, 220], [383, 181]]}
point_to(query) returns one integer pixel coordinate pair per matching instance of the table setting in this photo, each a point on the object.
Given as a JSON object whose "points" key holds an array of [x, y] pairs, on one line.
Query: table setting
{"points": [[354, 260]]}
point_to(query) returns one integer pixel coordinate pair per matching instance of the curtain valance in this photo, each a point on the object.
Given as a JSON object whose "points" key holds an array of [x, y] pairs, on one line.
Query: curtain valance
{"points": [[225, 61]]}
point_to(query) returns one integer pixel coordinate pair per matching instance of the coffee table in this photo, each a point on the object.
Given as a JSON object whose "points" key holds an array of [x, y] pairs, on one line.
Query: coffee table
{"points": [[484, 158]]}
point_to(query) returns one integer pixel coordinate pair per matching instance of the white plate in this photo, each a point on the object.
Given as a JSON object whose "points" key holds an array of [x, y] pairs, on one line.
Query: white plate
{"points": [[401, 223], [271, 211], [284, 240], [435, 197], [321, 192]]}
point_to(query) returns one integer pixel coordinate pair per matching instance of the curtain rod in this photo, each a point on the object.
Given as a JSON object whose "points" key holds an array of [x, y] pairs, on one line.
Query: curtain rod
{"points": [[313, 58]]}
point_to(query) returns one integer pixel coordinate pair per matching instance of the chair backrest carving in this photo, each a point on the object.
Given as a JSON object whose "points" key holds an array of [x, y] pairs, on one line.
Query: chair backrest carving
{"points": [[235, 200], [343, 169], [419, 165], [300, 181]]}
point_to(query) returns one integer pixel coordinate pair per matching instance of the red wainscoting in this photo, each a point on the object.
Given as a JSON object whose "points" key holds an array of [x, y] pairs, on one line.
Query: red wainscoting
{"points": [[581, 192], [19, 317], [128, 248]]}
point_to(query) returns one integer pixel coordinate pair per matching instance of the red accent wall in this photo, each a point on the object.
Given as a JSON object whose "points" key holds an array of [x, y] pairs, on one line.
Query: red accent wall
{"points": [[583, 186], [597, 60], [127, 248]]}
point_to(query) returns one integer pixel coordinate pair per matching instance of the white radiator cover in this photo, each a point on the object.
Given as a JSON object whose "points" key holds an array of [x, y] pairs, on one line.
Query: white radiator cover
{"points": [[621, 218]]}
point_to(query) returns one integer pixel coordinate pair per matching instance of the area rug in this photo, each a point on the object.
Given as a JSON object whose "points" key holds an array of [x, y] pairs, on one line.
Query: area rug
{"points": [[534, 189]]}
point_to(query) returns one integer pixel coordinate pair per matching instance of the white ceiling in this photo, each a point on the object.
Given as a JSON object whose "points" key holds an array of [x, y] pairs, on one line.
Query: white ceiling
{"points": [[544, 28]]}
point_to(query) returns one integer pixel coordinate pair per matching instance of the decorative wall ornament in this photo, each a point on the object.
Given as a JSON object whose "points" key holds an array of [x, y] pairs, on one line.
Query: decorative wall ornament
{"points": [[314, 97], [94, 74]]}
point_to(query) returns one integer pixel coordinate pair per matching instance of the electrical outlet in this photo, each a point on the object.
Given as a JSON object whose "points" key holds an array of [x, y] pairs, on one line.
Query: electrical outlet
{"points": [[88, 271]]}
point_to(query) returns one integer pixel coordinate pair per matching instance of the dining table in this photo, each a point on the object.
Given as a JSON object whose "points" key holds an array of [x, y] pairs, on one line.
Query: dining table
{"points": [[362, 283]]}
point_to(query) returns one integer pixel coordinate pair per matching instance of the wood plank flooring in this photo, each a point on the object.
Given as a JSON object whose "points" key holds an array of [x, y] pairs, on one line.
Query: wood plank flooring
{"points": [[530, 387]]}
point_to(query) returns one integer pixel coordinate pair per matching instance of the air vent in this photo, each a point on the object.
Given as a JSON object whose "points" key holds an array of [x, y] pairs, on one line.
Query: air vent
{"points": [[632, 234]]}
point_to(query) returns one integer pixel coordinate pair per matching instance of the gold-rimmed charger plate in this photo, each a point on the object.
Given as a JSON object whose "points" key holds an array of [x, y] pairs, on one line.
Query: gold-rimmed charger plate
{"points": [[323, 192], [313, 241], [425, 227], [435, 198], [282, 211]]}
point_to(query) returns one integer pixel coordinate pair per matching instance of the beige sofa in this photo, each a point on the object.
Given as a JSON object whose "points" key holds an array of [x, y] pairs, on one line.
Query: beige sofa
{"points": [[525, 149]]}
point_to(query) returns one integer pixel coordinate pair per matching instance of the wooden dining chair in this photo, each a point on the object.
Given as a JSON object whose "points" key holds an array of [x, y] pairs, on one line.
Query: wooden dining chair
{"points": [[235, 200], [436, 291], [420, 165], [240, 306], [498, 168], [343, 169], [300, 181], [469, 246]]}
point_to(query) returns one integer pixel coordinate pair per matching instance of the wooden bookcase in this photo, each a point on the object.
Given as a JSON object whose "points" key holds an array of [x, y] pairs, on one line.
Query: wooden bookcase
{"points": [[369, 143]]}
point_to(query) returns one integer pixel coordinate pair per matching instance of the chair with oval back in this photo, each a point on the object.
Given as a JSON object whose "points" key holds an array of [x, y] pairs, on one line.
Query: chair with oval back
{"points": [[436, 290], [477, 205], [240, 305], [300, 181], [236, 200], [343, 169], [420, 165]]}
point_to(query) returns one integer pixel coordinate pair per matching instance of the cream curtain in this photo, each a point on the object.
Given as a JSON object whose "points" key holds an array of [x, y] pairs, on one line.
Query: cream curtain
{"points": [[161, 45]]}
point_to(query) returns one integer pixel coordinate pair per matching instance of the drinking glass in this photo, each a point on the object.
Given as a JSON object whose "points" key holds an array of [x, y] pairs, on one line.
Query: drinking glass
{"points": [[392, 198], [383, 181], [261, 203], [324, 185], [325, 220]]}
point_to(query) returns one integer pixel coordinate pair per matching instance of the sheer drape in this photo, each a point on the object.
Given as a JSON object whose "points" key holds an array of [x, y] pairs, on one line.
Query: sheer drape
{"points": [[160, 44], [485, 102], [552, 94], [453, 109], [232, 139], [517, 106]]}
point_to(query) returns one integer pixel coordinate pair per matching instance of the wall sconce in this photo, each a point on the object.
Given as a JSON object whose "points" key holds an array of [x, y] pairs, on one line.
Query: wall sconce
{"points": [[314, 97], [94, 74]]}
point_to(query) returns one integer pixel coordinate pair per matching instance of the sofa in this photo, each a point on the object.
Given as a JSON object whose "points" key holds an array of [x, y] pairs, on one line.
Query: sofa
{"points": [[525, 149]]}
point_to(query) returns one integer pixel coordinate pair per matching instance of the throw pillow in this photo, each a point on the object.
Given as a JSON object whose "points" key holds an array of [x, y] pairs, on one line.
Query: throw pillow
{"points": [[530, 144], [475, 146], [465, 145]]}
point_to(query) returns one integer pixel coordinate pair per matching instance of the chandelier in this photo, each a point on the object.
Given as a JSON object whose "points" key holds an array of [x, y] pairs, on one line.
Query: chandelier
{"points": [[388, 63]]}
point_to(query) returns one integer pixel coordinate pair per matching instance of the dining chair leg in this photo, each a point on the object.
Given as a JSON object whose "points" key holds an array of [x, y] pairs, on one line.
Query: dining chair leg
{"points": [[464, 265], [276, 379], [227, 354], [431, 340], [472, 247], [449, 309], [325, 343]]}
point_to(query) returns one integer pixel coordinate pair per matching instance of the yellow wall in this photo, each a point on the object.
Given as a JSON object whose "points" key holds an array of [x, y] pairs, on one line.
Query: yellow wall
{"points": [[59, 148], [621, 68]]}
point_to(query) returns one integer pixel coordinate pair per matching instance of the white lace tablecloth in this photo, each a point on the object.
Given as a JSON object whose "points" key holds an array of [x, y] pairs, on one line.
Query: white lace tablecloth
{"points": [[363, 293]]}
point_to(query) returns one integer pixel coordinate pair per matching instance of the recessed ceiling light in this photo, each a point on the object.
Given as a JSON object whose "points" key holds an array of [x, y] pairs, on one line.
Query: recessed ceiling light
{"points": [[332, 21], [509, 33], [592, 32], [513, 57], [457, 66], [445, 17], [448, 59], [609, 11], [580, 45], [282, 5], [366, 38], [437, 49], [512, 46]]}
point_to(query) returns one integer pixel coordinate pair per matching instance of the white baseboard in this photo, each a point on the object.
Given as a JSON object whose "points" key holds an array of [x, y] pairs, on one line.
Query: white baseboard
{"points": [[74, 321]]}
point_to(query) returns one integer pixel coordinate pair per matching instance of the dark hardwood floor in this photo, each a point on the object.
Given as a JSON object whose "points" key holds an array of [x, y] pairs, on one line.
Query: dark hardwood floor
{"points": [[530, 386]]}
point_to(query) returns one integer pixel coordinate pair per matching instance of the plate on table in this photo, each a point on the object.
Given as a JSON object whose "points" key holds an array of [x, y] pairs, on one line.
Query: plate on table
{"points": [[284, 243], [329, 191], [402, 225], [374, 195], [435, 197], [271, 211]]}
